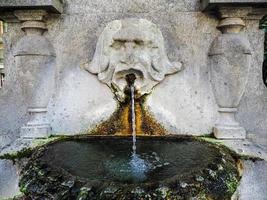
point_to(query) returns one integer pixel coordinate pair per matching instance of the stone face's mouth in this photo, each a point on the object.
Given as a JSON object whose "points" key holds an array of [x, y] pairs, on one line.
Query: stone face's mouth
{"points": [[122, 79], [106, 163], [130, 78]]}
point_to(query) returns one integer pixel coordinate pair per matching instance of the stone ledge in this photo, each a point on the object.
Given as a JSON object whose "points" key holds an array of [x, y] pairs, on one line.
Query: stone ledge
{"points": [[52, 6], [245, 148], [209, 5]]}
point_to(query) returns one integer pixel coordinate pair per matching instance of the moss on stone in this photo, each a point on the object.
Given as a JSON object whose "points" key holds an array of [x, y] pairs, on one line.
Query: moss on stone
{"points": [[232, 184], [41, 142], [27, 151], [24, 153], [227, 148], [120, 122], [208, 138]]}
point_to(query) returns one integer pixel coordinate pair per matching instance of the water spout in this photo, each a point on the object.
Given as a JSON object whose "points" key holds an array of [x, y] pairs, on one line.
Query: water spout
{"points": [[133, 120], [130, 78]]}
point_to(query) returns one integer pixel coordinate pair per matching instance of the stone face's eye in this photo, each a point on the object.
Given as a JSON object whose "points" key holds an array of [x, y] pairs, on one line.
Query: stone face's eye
{"points": [[139, 43], [118, 45]]}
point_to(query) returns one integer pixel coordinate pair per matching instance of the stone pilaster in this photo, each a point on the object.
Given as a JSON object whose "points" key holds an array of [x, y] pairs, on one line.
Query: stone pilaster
{"points": [[230, 57], [35, 59]]}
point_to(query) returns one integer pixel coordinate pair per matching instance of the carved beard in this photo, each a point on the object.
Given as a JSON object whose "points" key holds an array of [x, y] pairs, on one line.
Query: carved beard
{"points": [[149, 65], [142, 65]]}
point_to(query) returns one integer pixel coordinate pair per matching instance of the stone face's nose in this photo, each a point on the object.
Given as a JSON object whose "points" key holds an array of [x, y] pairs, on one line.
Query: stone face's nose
{"points": [[129, 52]]}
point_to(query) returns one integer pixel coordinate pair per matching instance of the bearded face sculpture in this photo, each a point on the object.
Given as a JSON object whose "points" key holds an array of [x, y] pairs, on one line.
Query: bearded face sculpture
{"points": [[131, 46]]}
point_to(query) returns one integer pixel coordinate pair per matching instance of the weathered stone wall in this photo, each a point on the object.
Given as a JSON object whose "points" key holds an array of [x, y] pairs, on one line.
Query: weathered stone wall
{"points": [[9, 179], [252, 110], [184, 103], [12, 100]]}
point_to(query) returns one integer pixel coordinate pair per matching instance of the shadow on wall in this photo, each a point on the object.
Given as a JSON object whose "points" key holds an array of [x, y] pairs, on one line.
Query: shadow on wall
{"points": [[263, 25]]}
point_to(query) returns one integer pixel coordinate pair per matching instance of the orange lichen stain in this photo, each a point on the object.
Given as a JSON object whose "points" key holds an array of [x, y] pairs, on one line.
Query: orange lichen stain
{"points": [[240, 167], [138, 119], [124, 121], [120, 123]]}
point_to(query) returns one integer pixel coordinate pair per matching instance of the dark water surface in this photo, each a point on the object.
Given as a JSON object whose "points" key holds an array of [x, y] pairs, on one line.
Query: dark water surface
{"points": [[112, 159]]}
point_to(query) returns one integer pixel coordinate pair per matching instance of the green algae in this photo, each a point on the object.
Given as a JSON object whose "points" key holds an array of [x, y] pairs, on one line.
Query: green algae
{"points": [[232, 184], [26, 152]]}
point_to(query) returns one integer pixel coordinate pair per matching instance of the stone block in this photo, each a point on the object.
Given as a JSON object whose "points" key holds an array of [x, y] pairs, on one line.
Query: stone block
{"points": [[224, 132], [6, 139], [9, 179], [53, 6], [212, 4], [253, 182], [40, 131]]}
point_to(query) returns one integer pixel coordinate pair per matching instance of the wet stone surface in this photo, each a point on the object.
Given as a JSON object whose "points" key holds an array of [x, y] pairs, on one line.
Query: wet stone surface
{"points": [[104, 168], [120, 123]]}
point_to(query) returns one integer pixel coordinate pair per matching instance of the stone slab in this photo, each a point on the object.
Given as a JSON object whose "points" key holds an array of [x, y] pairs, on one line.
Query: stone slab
{"points": [[5, 139], [41, 131], [253, 182], [246, 148], [18, 145], [211, 4], [54, 6], [229, 132], [9, 179]]}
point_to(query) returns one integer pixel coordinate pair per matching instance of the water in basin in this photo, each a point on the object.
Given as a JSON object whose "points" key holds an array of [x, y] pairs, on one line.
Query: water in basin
{"points": [[112, 159]]}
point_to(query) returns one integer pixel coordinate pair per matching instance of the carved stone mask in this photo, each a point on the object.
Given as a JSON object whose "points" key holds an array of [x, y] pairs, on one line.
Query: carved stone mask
{"points": [[131, 46]]}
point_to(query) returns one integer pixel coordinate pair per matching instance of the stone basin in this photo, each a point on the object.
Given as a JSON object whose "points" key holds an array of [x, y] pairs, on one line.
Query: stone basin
{"points": [[104, 167]]}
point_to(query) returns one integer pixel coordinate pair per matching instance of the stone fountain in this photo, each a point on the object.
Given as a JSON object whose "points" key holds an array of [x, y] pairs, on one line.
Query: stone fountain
{"points": [[81, 77]]}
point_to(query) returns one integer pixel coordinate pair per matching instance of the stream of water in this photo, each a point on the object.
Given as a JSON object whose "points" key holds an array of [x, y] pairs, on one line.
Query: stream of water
{"points": [[138, 166], [133, 120]]}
